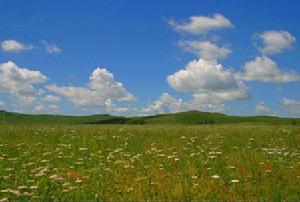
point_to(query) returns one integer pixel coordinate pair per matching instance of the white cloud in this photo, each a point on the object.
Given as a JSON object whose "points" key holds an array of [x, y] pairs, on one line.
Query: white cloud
{"points": [[262, 109], [275, 41], [168, 104], [207, 102], [14, 46], [165, 103], [19, 82], [113, 108], [205, 49], [51, 48], [100, 93], [103, 81], [266, 70], [39, 108], [2, 106], [46, 109], [51, 98], [202, 76], [201, 24], [291, 106]]}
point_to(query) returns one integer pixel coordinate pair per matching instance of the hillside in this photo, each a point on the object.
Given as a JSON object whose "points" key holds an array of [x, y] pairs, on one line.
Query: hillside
{"points": [[196, 117], [17, 118], [184, 118]]}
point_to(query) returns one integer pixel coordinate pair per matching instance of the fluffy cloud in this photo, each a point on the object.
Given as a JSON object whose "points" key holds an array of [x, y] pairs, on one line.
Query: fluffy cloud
{"points": [[262, 109], [51, 48], [207, 102], [205, 49], [14, 46], [168, 104], [2, 106], [51, 98], [291, 106], [47, 109], [19, 81], [103, 81], [266, 70], [210, 85], [201, 24], [202, 76], [275, 41], [111, 107], [101, 91]]}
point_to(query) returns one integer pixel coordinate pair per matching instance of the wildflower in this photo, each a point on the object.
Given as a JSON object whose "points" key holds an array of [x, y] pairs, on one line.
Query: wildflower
{"points": [[22, 187], [33, 187], [194, 177], [26, 194], [235, 181], [78, 181], [55, 177], [82, 149], [215, 176], [130, 189]]}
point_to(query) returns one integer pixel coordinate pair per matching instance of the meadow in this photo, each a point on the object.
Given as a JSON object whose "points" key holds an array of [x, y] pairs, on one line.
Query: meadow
{"points": [[150, 162]]}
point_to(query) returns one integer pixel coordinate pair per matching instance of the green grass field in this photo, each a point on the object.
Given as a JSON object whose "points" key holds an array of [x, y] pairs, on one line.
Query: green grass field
{"points": [[150, 162]]}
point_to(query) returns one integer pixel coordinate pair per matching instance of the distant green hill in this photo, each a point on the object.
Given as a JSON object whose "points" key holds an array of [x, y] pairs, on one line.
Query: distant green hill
{"points": [[184, 118], [16, 118], [196, 117]]}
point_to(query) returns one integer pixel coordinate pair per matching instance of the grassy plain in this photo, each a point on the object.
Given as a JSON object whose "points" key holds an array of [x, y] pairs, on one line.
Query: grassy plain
{"points": [[150, 162]]}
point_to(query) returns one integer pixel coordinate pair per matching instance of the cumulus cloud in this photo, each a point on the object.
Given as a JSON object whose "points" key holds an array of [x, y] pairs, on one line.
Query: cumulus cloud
{"points": [[113, 108], [51, 48], [262, 109], [207, 102], [51, 98], [2, 106], [103, 81], [202, 24], [168, 104], [266, 70], [202, 76], [48, 109], [291, 106], [14, 46], [19, 81], [210, 85], [205, 49], [101, 90], [275, 41], [165, 103]]}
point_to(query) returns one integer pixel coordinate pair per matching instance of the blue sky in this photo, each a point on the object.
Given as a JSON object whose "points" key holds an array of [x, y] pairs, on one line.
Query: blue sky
{"points": [[235, 57]]}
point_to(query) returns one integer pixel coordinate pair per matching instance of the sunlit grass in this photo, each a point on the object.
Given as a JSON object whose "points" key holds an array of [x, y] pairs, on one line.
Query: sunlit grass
{"points": [[150, 162]]}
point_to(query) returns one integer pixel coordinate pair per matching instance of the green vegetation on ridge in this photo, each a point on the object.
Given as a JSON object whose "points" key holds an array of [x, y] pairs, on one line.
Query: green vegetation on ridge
{"points": [[183, 118]]}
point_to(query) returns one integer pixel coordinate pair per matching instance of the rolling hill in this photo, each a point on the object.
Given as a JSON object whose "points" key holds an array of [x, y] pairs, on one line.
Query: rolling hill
{"points": [[17, 118], [184, 118]]}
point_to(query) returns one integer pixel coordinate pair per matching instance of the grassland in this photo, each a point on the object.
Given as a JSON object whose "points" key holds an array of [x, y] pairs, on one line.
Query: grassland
{"points": [[150, 162]]}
